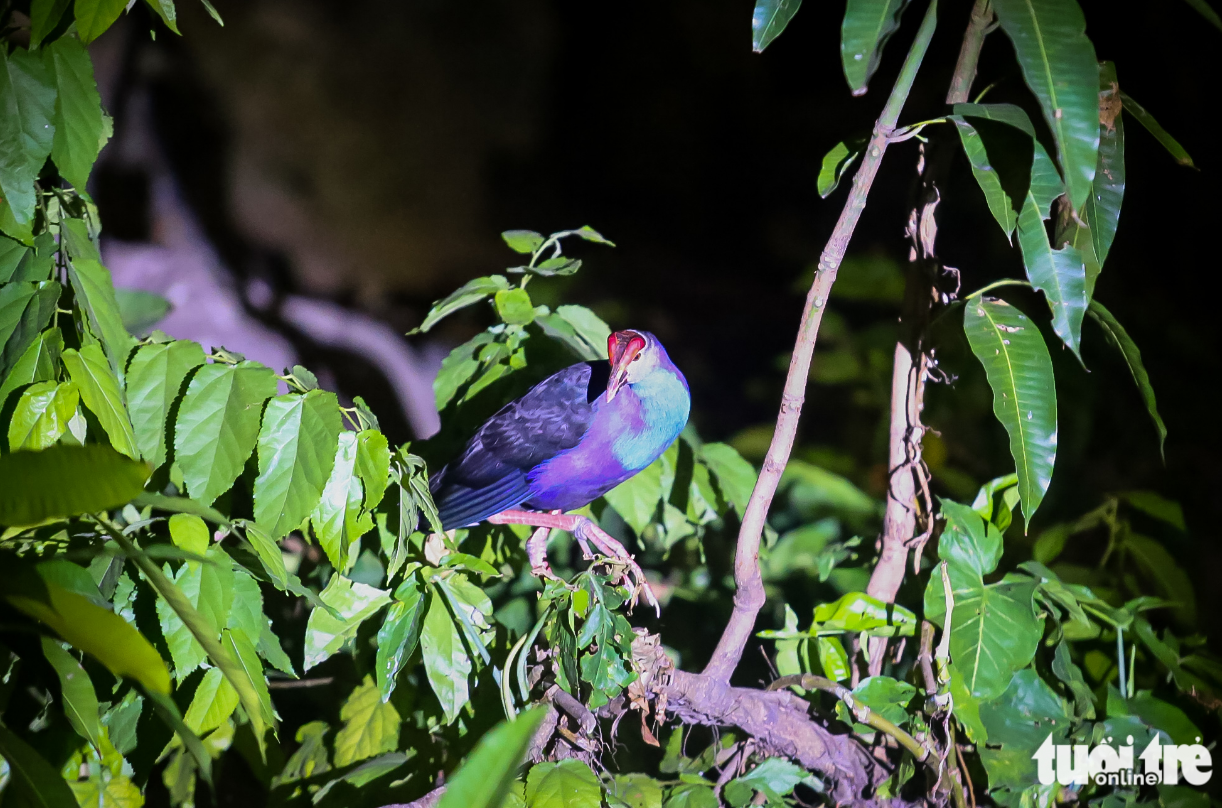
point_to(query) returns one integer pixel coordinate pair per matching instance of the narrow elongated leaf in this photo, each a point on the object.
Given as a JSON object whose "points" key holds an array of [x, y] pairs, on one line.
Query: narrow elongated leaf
{"points": [[27, 111], [1019, 370], [488, 773], [93, 17], [44, 18], [42, 415], [40, 362], [269, 554], [80, 126], [100, 392], [80, 699], [218, 424], [32, 776], [868, 24], [1059, 274], [66, 481], [297, 445], [354, 603], [1058, 63], [1121, 340], [769, 20], [154, 379], [25, 309], [1004, 203], [371, 726], [1205, 11], [1103, 209], [399, 634], [468, 294], [445, 659], [250, 682], [1152, 126], [95, 293]]}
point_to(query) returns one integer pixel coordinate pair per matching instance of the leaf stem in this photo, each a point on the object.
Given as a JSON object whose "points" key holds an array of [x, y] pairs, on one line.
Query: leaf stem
{"points": [[996, 285]]}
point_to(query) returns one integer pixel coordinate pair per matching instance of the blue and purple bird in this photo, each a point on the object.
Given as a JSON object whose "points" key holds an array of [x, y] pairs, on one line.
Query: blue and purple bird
{"points": [[575, 436]]}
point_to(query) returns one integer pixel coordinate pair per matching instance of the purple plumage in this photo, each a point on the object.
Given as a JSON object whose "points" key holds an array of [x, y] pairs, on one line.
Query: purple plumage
{"points": [[572, 438]]}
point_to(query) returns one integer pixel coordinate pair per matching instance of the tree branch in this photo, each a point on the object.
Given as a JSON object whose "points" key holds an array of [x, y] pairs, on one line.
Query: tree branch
{"points": [[749, 595]]}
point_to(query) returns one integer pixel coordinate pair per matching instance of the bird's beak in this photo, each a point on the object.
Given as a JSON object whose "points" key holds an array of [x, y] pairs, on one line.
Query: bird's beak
{"points": [[622, 348]]}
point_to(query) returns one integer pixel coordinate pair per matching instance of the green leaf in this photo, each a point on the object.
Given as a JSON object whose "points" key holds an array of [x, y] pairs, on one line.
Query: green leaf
{"points": [[1169, 579], [140, 310], [42, 415], [445, 659], [364, 774], [76, 690], [468, 294], [835, 163], [1120, 339], [310, 758], [372, 465], [1058, 63], [1019, 371], [40, 362], [1019, 722], [208, 589], [154, 380], [1059, 274], [218, 424], [603, 666], [371, 726], [297, 446], [1153, 127], [93, 17], [488, 772], [514, 307], [636, 499], [269, 554], [66, 481], [769, 20], [80, 125], [335, 518], [693, 796], [95, 293], [1102, 211], [399, 634], [166, 11], [1063, 668], [100, 393], [25, 310], [969, 539], [1205, 11], [523, 241], [635, 791], [774, 778], [190, 533], [355, 602], [44, 18], [886, 696], [32, 776], [27, 109], [100, 777], [1004, 185], [12, 254], [868, 24], [98, 632], [567, 784], [161, 502], [214, 701], [815, 491], [735, 476], [247, 678]]}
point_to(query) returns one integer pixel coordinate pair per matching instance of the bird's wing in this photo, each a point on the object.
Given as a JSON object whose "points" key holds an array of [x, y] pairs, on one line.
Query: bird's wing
{"points": [[491, 474]]}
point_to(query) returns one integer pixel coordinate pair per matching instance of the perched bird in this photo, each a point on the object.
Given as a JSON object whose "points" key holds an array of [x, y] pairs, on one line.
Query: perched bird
{"points": [[572, 438]]}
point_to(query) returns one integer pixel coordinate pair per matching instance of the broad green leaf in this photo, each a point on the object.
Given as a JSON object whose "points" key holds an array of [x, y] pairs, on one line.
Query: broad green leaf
{"points": [[44, 18], [604, 667], [140, 310], [27, 111], [445, 659], [98, 632], [567, 784], [636, 499], [166, 11], [969, 539], [93, 17], [513, 306], [774, 778], [101, 777], [468, 294], [12, 254], [589, 326], [983, 503], [372, 465], [1019, 371], [994, 629], [269, 554], [218, 424], [208, 588], [355, 602], [458, 368], [335, 518], [857, 611], [1152, 126], [364, 774], [80, 240], [1159, 566], [1004, 202], [1059, 274], [1058, 63], [693, 796], [40, 362], [1154, 504], [1120, 339], [25, 310], [248, 679], [214, 701], [399, 634], [886, 696], [371, 726], [42, 415], [95, 293], [523, 241], [247, 612], [297, 445], [833, 658], [735, 476], [488, 772], [835, 163], [190, 533], [66, 481], [868, 24], [1063, 668], [815, 491], [310, 758], [154, 379], [1018, 723], [76, 690], [769, 20], [100, 392], [31, 776], [635, 791], [1205, 11], [80, 125], [270, 649]]}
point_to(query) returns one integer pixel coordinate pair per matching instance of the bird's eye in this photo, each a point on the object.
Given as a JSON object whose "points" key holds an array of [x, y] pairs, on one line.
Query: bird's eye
{"points": [[635, 358]]}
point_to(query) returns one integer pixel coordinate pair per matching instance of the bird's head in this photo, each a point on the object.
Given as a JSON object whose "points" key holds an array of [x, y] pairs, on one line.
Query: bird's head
{"points": [[633, 355]]}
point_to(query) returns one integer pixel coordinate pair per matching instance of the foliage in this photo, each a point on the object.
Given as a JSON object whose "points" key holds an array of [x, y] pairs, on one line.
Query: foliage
{"points": [[189, 536]]}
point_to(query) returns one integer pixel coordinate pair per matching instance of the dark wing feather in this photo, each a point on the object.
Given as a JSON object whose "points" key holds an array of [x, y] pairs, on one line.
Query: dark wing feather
{"points": [[491, 474]]}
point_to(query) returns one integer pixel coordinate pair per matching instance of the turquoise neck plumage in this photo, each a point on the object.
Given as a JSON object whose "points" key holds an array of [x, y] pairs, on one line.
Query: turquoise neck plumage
{"points": [[665, 404]]}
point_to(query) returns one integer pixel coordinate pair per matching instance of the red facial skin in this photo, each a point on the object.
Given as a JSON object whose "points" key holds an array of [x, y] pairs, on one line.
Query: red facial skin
{"points": [[622, 348]]}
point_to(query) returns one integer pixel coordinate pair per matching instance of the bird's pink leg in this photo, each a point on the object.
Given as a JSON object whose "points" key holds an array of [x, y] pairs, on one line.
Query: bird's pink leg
{"points": [[536, 553], [586, 533]]}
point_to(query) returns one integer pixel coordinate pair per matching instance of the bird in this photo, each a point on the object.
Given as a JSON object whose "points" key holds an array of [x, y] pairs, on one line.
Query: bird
{"points": [[570, 439]]}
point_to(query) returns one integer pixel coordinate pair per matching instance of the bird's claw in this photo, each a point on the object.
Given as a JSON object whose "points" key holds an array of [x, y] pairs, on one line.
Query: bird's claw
{"points": [[586, 532]]}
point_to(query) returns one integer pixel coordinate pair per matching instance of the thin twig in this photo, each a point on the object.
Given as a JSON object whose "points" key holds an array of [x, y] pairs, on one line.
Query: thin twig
{"points": [[292, 684], [749, 595], [925, 658]]}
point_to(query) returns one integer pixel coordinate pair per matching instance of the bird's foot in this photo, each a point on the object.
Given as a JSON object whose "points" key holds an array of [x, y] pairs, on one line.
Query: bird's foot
{"points": [[586, 533]]}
